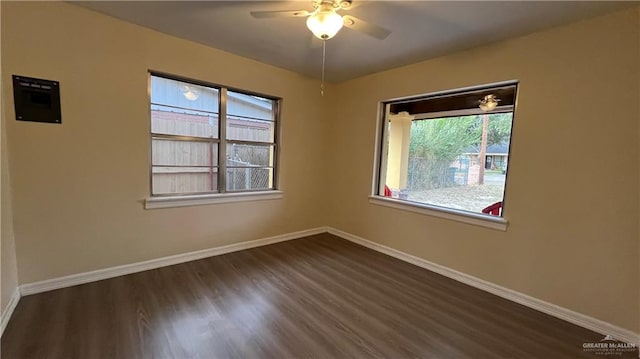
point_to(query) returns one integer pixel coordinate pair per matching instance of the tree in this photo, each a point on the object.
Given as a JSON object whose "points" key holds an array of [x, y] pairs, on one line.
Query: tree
{"points": [[442, 138], [436, 143], [499, 128]]}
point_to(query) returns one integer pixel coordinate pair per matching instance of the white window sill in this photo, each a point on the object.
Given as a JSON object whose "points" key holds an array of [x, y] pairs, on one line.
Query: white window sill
{"points": [[204, 199], [477, 219]]}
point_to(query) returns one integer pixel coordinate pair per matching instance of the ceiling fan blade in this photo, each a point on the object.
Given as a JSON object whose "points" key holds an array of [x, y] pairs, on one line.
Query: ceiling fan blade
{"points": [[363, 26], [276, 14]]}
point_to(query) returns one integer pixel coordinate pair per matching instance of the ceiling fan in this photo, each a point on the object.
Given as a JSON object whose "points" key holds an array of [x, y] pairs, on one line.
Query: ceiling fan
{"points": [[325, 22]]}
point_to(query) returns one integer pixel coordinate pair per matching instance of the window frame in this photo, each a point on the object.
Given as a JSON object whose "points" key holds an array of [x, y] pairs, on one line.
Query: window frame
{"points": [[380, 157], [221, 195]]}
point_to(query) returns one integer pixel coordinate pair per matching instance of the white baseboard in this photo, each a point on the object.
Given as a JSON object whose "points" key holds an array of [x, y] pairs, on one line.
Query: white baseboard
{"points": [[106, 273], [565, 314], [8, 310]]}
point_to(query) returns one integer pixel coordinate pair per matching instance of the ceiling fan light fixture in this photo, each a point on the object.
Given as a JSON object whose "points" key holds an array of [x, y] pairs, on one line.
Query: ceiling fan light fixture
{"points": [[325, 24], [488, 103]]}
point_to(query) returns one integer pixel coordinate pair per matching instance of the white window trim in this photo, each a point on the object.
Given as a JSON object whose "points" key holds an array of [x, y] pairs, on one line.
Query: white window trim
{"points": [[204, 199], [477, 219]]}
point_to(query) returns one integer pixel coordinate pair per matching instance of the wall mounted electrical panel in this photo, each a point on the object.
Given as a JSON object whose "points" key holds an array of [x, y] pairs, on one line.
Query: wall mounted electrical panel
{"points": [[36, 100]]}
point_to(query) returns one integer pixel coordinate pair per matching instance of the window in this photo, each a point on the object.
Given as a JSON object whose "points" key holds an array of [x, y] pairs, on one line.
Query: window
{"points": [[210, 139], [443, 152]]}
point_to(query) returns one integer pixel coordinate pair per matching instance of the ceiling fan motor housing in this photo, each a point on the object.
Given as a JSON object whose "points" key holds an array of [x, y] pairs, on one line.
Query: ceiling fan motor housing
{"points": [[325, 21], [336, 4]]}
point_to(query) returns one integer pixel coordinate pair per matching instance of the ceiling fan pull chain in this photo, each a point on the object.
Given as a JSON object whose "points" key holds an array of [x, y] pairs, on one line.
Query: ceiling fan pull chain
{"points": [[324, 47]]}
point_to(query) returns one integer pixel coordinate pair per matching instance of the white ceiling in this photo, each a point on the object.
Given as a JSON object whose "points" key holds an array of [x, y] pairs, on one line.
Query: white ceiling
{"points": [[420, 29]]}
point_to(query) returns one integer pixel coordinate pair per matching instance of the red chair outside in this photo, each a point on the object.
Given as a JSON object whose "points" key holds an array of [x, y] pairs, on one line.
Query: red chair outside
{"points": [[493, 209]]}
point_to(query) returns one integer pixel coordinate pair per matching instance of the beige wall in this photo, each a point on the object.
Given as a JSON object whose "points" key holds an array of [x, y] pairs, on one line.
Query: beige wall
{"points": [[78, 187], [8, 267], [572, 193]]}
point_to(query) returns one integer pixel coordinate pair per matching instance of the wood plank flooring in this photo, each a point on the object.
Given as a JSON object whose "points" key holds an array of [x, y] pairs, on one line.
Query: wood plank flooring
{"points": [[316, 297]]}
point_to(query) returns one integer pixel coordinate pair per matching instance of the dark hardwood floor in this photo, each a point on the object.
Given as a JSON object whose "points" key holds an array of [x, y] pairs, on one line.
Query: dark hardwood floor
{"points": [[320, 297]]}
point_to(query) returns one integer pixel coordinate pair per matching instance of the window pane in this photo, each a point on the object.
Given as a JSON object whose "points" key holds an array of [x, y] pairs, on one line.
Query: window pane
{"points": [[242, 105], [249, 178], [249, 155], [245, 129], [181, 122], [184, 153], [183, 95], [444, 162], [172, 180], [185, 138]]}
